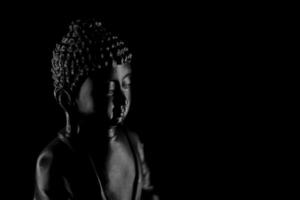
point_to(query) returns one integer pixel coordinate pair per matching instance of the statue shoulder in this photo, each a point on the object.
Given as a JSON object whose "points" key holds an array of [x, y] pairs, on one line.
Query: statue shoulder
{"points": [[137, 143], [53, 153], [51, 169], [134, 136]]}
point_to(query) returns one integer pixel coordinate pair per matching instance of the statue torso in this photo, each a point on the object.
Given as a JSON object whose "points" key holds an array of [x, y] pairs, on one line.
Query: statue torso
{"points": [[120, 171], [117, 169]]}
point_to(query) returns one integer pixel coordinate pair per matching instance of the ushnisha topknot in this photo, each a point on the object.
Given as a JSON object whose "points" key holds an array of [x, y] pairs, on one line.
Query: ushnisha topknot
{"points": [[86, 47]]}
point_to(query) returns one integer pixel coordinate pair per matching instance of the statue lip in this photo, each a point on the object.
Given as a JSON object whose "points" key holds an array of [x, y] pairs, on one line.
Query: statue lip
{"points": [[119, 112], [117, 115]]}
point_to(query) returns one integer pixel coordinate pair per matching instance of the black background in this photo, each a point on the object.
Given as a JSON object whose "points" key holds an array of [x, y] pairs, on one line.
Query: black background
{"points": [[198, 86]]}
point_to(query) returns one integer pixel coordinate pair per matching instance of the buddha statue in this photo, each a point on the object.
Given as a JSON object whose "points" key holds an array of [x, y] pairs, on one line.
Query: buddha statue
{"points": [[95, 156]]}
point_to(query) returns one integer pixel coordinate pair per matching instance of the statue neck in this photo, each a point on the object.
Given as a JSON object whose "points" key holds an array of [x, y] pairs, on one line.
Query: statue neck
{"points": [[91, 129], [95, 132]]}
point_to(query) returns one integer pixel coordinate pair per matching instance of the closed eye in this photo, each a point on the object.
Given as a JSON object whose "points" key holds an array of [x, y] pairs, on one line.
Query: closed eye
{"points": [[126, 85], [126, 82]]}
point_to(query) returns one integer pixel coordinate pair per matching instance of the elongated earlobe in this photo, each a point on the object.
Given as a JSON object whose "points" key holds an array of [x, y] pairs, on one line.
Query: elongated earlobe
{"points": [[64, 99]]}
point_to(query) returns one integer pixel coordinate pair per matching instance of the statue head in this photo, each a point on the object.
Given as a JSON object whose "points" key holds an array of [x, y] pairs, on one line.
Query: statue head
{"points": [[91, 72]]}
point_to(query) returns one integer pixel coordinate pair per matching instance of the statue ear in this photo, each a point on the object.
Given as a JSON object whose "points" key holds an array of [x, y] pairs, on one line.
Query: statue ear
{"points": [[64, 99]]}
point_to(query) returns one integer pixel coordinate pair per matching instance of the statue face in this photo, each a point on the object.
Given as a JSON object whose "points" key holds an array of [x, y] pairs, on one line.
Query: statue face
{"points": [[106, 96]]}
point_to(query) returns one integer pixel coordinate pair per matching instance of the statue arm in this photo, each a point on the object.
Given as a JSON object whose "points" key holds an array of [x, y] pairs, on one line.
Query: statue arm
{"points": [[148, 188], [50, 184]]}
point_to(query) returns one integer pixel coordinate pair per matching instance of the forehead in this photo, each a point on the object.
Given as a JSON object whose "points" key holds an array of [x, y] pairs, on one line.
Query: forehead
{"points": [[102, 77], [120, 68], [114, 72]]}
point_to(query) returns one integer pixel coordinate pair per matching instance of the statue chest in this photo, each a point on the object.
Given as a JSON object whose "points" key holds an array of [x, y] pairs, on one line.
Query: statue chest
{"points": [[120, 171]]}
